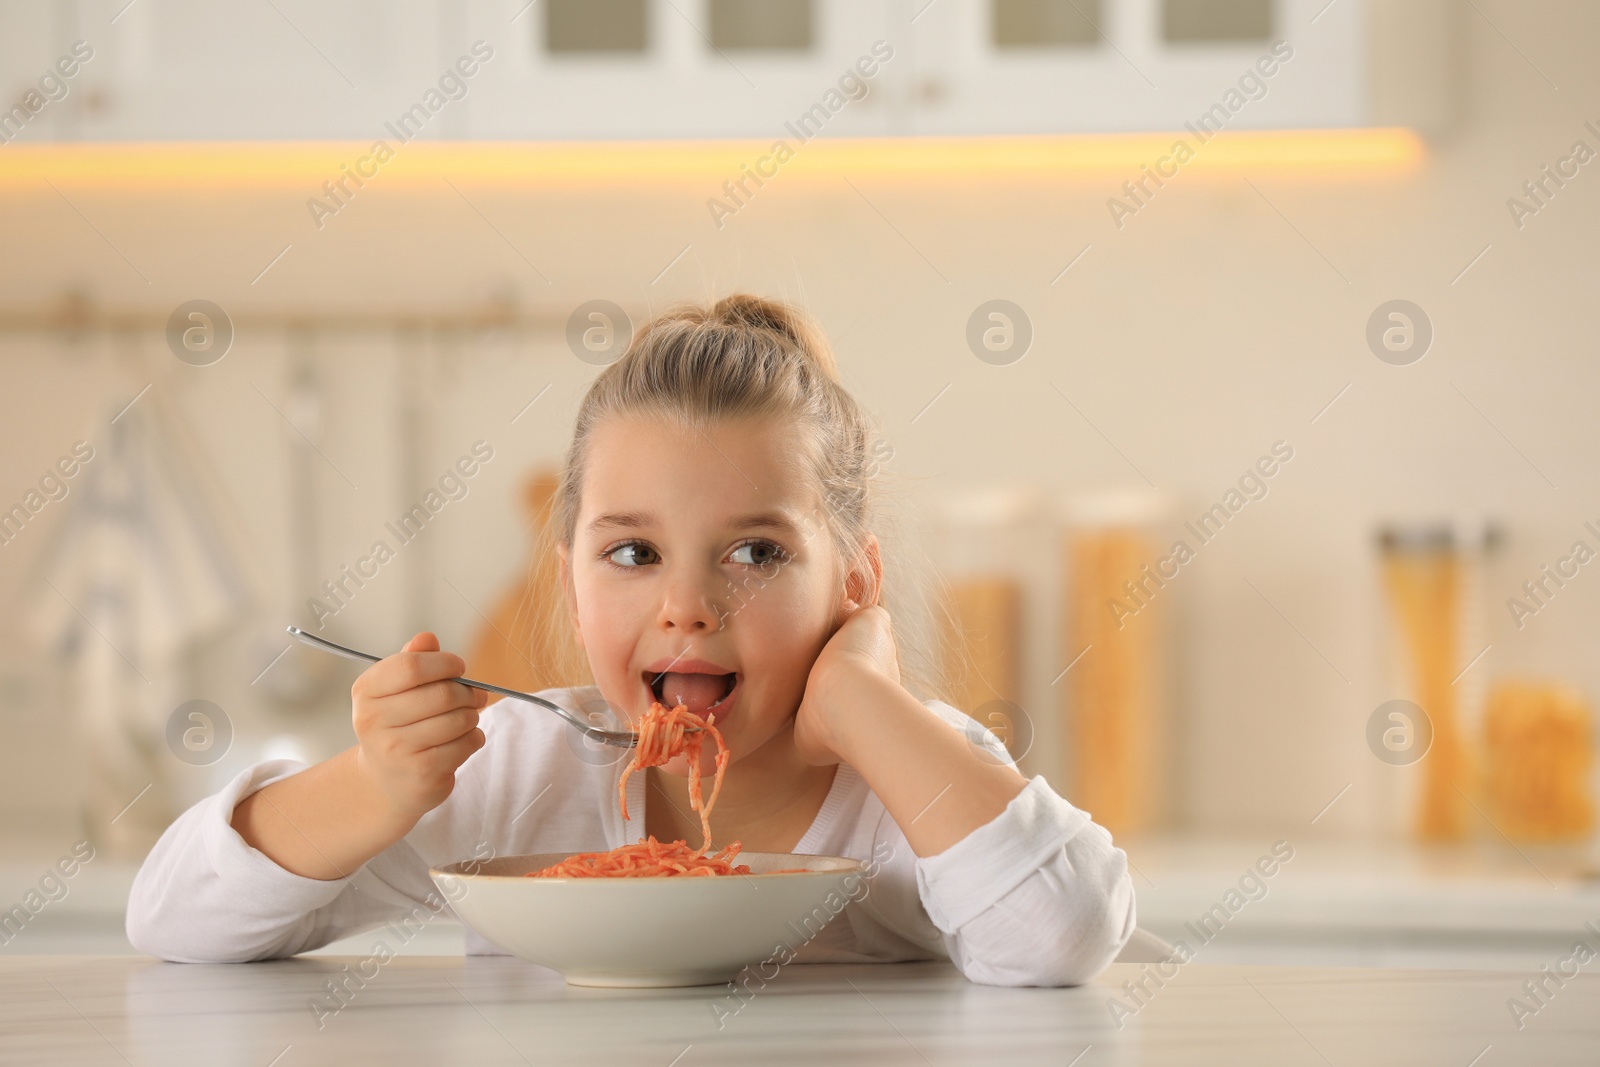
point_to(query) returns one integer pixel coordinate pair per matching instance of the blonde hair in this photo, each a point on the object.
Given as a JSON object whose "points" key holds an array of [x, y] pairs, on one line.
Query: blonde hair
{"points": [[746, 357]]}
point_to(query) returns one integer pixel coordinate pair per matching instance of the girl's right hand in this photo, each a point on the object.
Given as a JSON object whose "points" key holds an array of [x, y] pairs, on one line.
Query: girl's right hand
{"points": [[415, 725]]}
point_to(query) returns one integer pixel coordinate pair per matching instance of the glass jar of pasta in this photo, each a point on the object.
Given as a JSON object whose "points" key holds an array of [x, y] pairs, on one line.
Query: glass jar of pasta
{"points": [[992, 553], [1433, 577], [1122, 579], [1537, 732]]}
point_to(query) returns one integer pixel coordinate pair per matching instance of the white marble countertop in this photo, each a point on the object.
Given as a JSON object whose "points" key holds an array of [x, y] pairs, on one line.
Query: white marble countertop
{"points": [[488, 1011], [1486, 886]]}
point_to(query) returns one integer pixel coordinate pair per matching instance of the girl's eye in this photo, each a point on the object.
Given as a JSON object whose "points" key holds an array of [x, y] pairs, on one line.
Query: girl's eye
{"points": [[627, 556], [772, 553], [629, 547]]}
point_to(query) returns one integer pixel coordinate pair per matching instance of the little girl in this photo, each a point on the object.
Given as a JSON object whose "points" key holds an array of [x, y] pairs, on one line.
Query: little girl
{"points": [[712, 532]]}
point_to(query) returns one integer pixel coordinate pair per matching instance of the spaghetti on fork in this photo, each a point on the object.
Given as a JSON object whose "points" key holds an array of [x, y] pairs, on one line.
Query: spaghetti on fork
{"points": [[663, 735]]}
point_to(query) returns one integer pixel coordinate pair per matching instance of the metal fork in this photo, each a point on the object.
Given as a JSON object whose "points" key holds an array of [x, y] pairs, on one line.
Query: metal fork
{"points": [[615, 738]]}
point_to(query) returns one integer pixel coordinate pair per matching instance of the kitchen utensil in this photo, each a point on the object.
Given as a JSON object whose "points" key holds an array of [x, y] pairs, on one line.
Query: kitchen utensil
{"points": [[616, 738]]}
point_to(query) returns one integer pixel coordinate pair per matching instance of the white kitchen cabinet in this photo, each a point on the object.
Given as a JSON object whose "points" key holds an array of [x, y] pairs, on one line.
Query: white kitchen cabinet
{"points": [[293, 69], [681, 86], [1130, 78]]}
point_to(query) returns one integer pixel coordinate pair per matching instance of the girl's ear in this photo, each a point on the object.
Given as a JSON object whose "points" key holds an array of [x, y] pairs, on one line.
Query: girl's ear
{"points": [[864, 583], [564, 576]]}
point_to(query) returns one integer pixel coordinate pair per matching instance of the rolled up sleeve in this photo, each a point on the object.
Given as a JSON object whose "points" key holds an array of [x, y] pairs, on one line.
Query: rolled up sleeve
{"points": [[1038, 896], [204, 895]]}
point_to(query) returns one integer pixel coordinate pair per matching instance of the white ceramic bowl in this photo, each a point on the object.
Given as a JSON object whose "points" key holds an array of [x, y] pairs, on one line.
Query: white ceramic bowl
{"points": [[649, 931]]}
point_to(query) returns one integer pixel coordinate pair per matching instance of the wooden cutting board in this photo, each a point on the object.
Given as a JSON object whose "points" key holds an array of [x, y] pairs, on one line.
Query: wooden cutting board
{"points": [[525, 645]]}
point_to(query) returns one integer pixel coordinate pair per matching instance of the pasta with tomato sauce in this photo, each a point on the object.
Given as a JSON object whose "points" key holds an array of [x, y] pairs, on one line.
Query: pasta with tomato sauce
{"points": [[663, 735]]}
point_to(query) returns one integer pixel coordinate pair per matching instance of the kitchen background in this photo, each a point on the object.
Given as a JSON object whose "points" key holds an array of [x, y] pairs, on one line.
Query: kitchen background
{"points": [[1335, 345]]}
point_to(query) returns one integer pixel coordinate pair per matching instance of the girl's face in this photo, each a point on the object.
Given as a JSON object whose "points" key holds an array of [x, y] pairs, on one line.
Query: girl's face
{"points": [[705, 547]]}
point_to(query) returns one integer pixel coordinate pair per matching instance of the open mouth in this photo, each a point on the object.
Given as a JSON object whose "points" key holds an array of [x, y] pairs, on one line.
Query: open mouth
{"points": [[657, 684]]}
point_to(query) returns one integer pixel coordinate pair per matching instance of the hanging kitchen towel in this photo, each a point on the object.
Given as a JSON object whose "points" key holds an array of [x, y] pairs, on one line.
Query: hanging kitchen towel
{"points": [[142, 568]]}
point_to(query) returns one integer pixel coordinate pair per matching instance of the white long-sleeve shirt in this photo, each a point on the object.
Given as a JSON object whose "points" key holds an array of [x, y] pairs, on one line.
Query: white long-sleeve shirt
{"points": [[1037, 896]]}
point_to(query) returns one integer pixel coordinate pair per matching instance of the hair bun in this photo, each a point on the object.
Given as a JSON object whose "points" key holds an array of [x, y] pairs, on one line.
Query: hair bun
{"points": [[757, 312]]}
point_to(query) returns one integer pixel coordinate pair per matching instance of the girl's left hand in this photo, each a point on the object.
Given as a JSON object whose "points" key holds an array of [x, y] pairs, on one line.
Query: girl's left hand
{"points": [[865, 642]]}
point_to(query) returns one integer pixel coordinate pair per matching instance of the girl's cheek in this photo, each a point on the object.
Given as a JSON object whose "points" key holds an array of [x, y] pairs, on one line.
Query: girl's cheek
{"points": [[789, 625], [604, 611]]}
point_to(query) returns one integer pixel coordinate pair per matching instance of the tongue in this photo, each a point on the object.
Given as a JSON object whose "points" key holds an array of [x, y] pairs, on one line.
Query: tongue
{"points": [[697, 692]]}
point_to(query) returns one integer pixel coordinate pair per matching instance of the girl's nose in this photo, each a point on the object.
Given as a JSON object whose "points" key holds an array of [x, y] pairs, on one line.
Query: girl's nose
{"points": [[689, 607]]}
